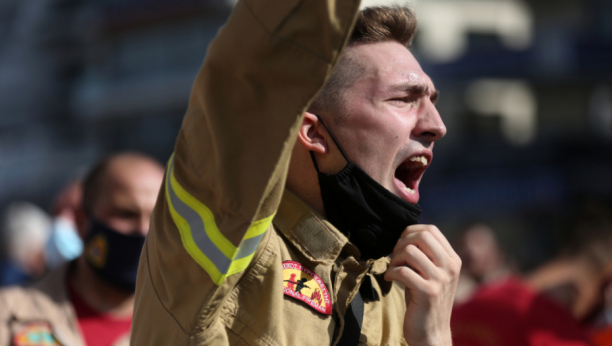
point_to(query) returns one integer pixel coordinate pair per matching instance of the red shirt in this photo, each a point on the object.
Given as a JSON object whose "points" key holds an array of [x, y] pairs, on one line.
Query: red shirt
{"points": [[98, 329], [602, 337], [508, 313]]}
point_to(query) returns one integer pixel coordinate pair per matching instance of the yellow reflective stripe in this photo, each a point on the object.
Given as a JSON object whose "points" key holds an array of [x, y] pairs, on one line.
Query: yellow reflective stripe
{"points": [[239, 265], [191, 247], [210, 226], [259, 227], [201, 237]]}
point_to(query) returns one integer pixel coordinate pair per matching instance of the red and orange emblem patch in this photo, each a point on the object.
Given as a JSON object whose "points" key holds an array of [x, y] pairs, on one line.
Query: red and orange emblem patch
{"points": [[96, 251], [35, 334], [303, 284]]}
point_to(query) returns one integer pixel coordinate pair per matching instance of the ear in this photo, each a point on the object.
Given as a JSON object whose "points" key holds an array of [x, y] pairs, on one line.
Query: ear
{"points": [[82, 221], [312, 135]]}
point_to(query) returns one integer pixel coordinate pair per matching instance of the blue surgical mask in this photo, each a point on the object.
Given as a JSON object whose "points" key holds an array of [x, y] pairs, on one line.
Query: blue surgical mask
{"points": [[64, 244]]}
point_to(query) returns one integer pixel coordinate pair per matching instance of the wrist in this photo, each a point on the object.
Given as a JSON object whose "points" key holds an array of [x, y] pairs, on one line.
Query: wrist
{"points": [[444, 339]]}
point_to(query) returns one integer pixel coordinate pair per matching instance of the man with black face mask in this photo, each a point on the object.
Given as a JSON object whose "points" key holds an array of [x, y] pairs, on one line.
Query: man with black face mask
{"points": [[90, 300], [280, 206]]}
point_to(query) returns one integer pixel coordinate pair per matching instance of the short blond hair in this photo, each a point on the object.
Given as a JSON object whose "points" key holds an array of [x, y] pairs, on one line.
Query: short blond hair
{"points": [[373, 25]]}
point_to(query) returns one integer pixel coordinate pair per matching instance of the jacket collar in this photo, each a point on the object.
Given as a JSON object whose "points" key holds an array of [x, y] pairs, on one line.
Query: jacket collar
{"points": [[308, 231], [54, 283], [314, 236]]}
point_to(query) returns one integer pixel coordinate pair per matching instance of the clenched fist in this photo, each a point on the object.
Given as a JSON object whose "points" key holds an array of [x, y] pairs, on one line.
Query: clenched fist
{"points": [[424, 261]]}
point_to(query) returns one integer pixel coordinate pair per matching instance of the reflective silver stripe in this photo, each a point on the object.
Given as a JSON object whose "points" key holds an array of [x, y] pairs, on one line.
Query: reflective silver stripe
{"points": [[248, 246], [198, 232]]}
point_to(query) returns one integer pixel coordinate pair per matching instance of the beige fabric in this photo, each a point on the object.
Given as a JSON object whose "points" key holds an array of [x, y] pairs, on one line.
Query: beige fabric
{"points": [[254, 311], [45, 302], [232, 155]]}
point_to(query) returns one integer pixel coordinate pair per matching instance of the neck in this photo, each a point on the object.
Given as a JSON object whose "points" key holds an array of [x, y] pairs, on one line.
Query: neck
{"points": [[312, 198], [303, 181], [98, 294]]}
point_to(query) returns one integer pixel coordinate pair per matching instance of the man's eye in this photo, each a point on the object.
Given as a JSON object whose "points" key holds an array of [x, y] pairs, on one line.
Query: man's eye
{"points": [[125, 214], [401, 100]]}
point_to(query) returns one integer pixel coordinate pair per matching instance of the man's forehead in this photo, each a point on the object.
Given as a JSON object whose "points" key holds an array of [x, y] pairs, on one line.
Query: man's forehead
{"points": [[416, 85], [120, 179], [392, 64]]}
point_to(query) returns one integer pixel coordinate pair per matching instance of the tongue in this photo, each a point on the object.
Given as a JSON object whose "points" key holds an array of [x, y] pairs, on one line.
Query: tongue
{"points": [[403, 175]]}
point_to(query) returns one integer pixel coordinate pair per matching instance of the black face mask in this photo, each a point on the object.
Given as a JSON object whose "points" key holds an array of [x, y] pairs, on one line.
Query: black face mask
{"points": [[366, 212], [113, 256]]}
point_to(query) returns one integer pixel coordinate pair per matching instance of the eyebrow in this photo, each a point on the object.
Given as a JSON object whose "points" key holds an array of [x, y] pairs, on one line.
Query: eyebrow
{"points": [[418, 88]]}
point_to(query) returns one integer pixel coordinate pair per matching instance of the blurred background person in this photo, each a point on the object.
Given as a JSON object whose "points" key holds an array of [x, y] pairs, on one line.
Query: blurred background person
{"points": [[65, 243], [575, 278], [526, 91], [497, 307], [89, 301], [24, 231], [484, 261], [509, 312], [526, 95], [557, 303], [601, 334], [579, 277]]}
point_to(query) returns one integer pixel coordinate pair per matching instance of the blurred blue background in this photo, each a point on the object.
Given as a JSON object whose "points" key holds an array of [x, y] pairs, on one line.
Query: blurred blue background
{"points": [[526, 93]]}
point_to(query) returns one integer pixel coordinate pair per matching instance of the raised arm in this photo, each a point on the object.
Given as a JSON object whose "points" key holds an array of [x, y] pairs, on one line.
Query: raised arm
{"points": [[226, 176]]}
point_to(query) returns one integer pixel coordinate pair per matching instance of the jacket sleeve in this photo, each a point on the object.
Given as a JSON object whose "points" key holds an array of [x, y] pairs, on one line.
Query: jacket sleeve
{"points": [[225, 179]]}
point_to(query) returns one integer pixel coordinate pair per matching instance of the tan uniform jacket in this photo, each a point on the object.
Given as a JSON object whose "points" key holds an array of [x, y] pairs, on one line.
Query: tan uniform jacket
{"points": [[215, 269], [41, 314]]}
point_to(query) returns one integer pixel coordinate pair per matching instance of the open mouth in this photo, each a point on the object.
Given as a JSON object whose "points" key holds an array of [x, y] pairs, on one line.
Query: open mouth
{"points": [[408, 174]]}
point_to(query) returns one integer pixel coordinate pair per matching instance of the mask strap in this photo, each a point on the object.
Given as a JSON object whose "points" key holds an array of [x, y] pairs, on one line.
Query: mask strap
{"points": [[314, 161], [334, 139]]}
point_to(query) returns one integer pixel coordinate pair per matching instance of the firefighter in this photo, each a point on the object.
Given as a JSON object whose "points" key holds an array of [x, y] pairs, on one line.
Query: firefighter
{"points": [[89, 301], [284, 167]]}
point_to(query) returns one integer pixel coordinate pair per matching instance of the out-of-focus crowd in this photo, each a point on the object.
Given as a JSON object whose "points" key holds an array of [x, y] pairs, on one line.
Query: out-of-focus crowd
{"points": [[34, 240], [565, 301], [70, 273], [86, 247]]}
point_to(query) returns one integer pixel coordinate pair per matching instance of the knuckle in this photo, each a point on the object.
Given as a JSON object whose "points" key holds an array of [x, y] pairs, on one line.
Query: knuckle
{"points": [[456, 265], [445, 276], [404, 271], [427, 236], [459, 262], [411, 229], [411, 249], [454, 270], [432, 290], [450, 279], [432, 228], [457, 269]]}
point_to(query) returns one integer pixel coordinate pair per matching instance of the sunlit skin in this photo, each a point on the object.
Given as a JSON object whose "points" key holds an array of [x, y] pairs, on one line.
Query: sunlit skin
{"points": [[387, 116], [127, 196], [483, 260], [390, 114]]}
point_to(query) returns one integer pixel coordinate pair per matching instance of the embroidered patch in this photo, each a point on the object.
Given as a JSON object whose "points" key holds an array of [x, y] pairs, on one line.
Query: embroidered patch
{"points": [[303, 284], [35, 334], [96, 251]]}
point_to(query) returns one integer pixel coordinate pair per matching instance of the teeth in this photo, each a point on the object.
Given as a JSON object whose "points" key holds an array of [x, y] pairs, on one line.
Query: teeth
{"points": [[420, 159], [409, 190]]}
